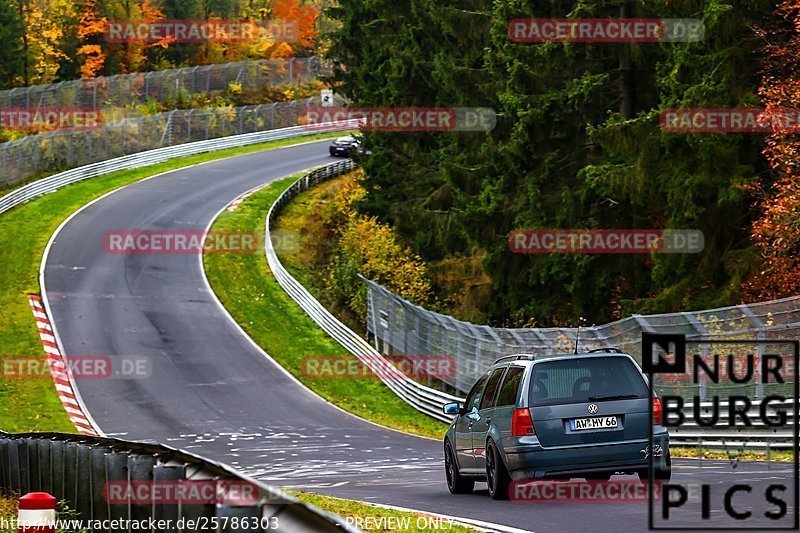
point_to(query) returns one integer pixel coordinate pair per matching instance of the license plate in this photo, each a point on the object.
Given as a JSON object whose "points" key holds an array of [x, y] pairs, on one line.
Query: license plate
{"points": [[597, 422]]}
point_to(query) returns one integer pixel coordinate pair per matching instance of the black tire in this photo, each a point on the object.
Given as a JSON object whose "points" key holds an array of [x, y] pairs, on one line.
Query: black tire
{"points": [[497, 477], [664, 475], [456, 483]]}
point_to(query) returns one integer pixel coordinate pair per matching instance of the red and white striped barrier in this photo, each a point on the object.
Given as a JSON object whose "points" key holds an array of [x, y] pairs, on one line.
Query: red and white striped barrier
{"points": [[37, 513], [59, 369]]}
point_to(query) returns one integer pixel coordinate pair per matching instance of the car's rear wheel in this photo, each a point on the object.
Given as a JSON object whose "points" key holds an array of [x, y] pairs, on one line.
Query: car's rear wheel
{"points": [[497, 477], [664, 475], [456, 483]]}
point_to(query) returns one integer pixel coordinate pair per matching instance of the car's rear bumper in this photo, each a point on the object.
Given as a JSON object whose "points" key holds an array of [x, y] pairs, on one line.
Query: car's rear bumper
{"points": [[340, 151], [532, 461]]}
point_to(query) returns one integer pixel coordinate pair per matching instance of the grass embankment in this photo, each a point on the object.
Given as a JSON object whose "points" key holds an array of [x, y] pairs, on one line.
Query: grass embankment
{"points": [[8, 511], [249, 291], [733, 454], [32, 404], [374, 518]]}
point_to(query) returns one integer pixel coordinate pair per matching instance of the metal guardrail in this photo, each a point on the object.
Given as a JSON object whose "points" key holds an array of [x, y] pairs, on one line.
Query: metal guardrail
{"points": [[422, 398], [62, 149], [76, 469], [56, 181], [430, 401], [408, 329], [758, 436]]}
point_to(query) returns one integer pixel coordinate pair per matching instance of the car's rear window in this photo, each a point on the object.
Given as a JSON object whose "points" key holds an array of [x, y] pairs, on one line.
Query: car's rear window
{"points": [[584, 380]]}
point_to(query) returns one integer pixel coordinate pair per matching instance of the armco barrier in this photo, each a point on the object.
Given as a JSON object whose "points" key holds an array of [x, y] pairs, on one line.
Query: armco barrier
{"points": [[422, 398], [61, 149], [757, 436], [76, 468], [430, 401], [404, 328], [150, 157]]}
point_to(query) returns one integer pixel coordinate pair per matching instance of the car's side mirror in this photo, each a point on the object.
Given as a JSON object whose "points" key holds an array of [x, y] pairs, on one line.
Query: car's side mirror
{"points": [[452, 408]]}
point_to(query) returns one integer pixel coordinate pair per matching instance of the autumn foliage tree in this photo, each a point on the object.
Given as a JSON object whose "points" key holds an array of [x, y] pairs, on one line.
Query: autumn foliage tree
{"points": [[304, 18], [90, 28], [371, 248], [776, 231]]}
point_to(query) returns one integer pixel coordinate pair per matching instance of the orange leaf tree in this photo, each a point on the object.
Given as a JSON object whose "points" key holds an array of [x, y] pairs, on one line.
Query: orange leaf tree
{"points": [[776, 231]]}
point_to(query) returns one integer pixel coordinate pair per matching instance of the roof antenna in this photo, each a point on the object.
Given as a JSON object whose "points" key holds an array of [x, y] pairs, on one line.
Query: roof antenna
{"points": [[581, 320]]}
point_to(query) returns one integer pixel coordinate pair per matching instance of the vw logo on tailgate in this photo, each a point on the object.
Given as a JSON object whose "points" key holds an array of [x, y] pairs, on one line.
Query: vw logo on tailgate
{"points": [[592, 408]]}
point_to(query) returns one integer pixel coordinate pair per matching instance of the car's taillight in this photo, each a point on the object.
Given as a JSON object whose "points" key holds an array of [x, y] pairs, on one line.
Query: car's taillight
{"points": [[521, 424], [658, 417]]}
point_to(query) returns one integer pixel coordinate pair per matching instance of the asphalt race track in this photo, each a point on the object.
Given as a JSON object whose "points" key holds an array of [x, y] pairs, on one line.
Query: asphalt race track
{"points": [[213, 393]]}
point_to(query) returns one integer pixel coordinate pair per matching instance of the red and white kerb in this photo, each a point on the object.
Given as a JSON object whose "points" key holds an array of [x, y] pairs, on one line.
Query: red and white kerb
{"points": [[59, 369]]}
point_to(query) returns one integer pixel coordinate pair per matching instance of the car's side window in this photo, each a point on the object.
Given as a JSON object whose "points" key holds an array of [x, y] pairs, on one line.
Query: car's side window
{"points": [[474, 396], [510, 386], [491, 389]]}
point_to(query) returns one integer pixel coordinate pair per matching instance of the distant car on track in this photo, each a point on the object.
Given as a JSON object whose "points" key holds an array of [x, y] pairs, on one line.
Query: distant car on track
{"points": [[554, 417], [346, 147]]}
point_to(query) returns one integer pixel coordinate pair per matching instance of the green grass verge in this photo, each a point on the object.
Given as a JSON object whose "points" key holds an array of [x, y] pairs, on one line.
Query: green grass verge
{"points": [[32, 404], [343, 508], [249, 291], [781, 456], [380, 518], [8, 512]]}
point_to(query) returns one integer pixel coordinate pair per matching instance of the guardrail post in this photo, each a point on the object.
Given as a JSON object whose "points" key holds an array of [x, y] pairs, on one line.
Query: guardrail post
{"points": [[140, 468], [57, 469], [100, 508], [44, 451], [71, 476], [32, 454], [170, 473], [14, 474], [84, 505], [117, 470], [24, 466], [4, 478]]}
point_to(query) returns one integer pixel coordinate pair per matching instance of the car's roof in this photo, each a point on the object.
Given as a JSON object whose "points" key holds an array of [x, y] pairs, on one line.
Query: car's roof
{"points": [[527, 359]]}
